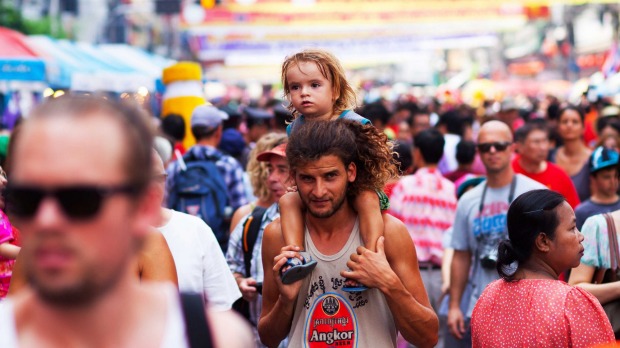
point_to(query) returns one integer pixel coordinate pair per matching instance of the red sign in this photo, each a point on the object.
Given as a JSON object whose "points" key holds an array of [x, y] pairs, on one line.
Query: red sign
{"points": [[331, 323]]}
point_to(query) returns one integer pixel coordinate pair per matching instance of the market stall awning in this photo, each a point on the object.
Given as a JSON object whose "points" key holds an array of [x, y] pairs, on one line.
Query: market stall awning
{"points": [[87, 67], [18, 62]]}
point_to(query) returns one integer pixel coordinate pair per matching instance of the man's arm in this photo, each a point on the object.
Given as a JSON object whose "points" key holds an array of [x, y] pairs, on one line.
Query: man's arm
{"points": [[229, 330], [235, 259], [278, 299], [393, 269], [459, 274], [155, 260], [236, 187]]}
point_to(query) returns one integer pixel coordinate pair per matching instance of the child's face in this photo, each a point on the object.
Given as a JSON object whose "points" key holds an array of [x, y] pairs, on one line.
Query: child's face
{"points": [[310, 92]]}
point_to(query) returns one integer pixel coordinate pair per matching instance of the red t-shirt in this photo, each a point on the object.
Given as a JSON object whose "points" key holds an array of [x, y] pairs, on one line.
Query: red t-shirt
{"points": [[554, 178]]}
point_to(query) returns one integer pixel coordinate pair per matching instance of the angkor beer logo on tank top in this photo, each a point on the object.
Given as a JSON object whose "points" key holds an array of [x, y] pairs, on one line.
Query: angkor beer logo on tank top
{"points": [[331, 322]]}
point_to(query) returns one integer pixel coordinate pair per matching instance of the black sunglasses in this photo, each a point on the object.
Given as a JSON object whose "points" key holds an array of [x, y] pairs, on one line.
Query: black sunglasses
{"points": [[499, 146], [77, 202]]}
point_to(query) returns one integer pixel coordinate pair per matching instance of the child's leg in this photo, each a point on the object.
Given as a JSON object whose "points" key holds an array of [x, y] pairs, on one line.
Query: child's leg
{"points": [[292, 223], [371, 219], [291, 219]]}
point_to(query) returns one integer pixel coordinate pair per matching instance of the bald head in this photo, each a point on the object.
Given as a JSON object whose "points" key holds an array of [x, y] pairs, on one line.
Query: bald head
{"points": [[495, 148], [497, 130]]}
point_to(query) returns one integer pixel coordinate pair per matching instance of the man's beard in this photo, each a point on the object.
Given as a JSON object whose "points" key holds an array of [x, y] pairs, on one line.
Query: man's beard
{"points": [[335, 207], [81, 293]]}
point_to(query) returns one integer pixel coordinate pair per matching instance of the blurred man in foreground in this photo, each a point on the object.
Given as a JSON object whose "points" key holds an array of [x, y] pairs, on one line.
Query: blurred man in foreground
{"points": [[79, 195]]}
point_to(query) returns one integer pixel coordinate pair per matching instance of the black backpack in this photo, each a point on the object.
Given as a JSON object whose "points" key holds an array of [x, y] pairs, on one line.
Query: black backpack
{"points": [[251, 227]]}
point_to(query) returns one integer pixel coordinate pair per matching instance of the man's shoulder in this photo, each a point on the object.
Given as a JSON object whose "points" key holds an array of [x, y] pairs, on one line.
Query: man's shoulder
{"points": [[393, 225], [273, 230], [472, 196], [525, 183], [187, 222], [585, 206]]}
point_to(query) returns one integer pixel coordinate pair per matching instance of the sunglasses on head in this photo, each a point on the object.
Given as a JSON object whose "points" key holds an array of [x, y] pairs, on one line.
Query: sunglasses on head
{"points": [[77, 202], [498, 146]]}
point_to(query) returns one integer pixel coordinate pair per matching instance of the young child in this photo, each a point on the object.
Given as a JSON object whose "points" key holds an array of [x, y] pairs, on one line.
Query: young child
{"points": [[316, 87], [8, 249]]}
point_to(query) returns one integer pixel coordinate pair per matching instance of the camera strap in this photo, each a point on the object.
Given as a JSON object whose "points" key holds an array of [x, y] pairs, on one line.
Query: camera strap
{"points": [[511, 194]]}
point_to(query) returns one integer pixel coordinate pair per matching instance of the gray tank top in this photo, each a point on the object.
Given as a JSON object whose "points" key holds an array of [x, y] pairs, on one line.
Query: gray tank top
{"points": [[326, 316]]}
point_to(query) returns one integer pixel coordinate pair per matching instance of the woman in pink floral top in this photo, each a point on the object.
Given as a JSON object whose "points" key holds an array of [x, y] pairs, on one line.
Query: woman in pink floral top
{"points": [[529, 306]]}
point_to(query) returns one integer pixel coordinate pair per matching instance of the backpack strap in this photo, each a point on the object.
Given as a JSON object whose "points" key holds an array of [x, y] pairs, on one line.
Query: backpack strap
{"points": [[196, 325], [613, 243], [250, 234]]}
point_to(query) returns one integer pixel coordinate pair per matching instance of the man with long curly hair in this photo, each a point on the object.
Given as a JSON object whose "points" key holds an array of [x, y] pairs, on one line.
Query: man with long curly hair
{"points": [[332, 162]]}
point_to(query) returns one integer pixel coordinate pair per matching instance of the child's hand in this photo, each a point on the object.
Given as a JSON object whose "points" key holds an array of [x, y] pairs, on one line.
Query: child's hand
{"points": [[291, 189]]}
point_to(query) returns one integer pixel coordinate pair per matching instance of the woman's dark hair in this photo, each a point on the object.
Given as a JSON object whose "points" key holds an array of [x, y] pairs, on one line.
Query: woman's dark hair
{"points": [[531, 213], [582, 116]]}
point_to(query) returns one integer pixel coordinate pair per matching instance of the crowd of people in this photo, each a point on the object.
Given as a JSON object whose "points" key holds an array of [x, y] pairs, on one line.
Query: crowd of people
{"points": [[312, 221]]}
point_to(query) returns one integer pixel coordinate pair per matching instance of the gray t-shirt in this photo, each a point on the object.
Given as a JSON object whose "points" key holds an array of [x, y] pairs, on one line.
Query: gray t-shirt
{"points": [[481, 231], [588, 208]]}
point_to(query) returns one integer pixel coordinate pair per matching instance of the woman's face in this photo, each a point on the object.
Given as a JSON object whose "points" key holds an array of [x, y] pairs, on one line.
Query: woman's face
{"points": [[570, 126], [565, 250]]}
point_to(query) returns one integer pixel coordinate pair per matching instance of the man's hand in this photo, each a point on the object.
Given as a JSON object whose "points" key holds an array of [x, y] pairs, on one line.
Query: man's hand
{"points": [[247, 286], [370, 268], [456, 322], [288, 293]]}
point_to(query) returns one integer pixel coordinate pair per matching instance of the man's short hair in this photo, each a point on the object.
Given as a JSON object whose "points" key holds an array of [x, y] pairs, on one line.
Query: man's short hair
{"points": [[203, 132], [453, 121], [173, 125], [524, 131], [465, 152], [376, 112], [205, 120], [131, 120], [430, 142], [403, 156], [350, 141]]}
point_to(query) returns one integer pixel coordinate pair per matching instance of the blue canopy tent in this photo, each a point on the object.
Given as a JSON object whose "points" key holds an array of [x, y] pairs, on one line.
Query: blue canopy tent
{"points": [[88, 68], [22, 77], [18, 62]]}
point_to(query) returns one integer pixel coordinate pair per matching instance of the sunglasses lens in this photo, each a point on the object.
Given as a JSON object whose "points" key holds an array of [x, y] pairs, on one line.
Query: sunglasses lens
{"points": [[80, 202], [500, 146], [484, 148], [23, 201]]}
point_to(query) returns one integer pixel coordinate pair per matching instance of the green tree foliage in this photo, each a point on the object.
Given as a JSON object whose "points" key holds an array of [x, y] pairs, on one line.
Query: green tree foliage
{"points": [[12, 18]]}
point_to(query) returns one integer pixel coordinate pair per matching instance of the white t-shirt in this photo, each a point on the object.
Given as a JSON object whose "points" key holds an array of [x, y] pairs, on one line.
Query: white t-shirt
{"points": [[200, 263], [174, 331]]}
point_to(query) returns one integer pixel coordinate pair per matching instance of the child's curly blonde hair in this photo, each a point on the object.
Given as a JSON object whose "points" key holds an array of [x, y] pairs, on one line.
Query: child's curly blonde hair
{"points": [[331, 69]]}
